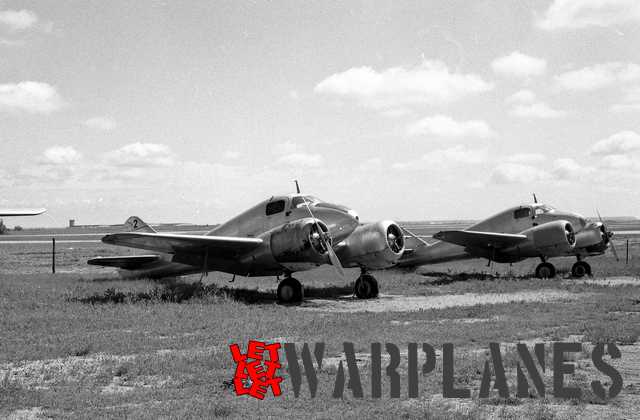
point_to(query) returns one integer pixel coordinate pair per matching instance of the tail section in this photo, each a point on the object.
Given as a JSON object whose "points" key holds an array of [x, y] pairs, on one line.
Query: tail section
{"points": [[135, 224]]}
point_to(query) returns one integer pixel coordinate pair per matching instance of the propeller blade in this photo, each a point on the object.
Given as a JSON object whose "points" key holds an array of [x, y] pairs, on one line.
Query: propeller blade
{"points": [[335, 261], [609, 236], [613, 248]]}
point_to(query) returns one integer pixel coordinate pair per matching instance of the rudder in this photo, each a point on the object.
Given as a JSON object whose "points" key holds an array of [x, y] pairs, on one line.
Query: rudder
{"points": [[135, 224]]}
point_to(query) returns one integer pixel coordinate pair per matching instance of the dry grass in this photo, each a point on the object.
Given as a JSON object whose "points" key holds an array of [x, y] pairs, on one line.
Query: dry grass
{"points": [[91, 345]]}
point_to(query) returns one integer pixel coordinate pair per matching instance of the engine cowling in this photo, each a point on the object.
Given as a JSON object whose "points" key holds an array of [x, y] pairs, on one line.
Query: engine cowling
{"points": [[550, 239], [594, 238], [373, 245], [300, 242]]}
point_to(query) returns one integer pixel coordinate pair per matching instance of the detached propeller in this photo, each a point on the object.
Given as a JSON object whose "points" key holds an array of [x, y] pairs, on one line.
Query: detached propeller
{"points": [[608, 235], [335, 261]]}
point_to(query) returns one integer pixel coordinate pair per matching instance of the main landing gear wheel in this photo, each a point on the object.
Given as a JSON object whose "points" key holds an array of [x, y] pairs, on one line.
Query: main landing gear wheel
{"points": [[290, 291], [366, 287], [545, 270], [580, 269]]}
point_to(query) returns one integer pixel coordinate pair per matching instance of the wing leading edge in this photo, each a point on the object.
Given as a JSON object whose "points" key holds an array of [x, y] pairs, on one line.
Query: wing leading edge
{"points": [[21, 212], [473, 239], [176, 243]]}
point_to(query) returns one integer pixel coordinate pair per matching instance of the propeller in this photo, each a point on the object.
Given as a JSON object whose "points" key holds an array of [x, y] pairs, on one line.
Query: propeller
{"points": [[571, 236], [395, 240], [335, 261], [607, 235]]}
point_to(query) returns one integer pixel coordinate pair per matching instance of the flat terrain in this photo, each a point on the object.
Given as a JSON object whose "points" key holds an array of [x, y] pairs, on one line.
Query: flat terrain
{"points": [[83, 343]]}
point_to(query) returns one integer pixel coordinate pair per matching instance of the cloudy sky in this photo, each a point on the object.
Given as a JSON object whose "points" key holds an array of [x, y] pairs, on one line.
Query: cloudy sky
{"points": [[404, 110]]}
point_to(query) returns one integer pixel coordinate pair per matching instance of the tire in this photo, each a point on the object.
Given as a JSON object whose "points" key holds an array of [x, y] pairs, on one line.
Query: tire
{"points": [[580, 269], [545, 271], [290, 291], [366, 287]]}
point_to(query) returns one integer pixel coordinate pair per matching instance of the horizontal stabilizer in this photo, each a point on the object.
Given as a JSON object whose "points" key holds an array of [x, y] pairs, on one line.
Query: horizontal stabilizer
{"points": [[473, 239], [129, 262], [172, 243]]}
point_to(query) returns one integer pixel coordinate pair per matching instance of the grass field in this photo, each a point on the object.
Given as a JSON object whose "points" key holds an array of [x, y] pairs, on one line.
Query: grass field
{"points": [[83, 343]]}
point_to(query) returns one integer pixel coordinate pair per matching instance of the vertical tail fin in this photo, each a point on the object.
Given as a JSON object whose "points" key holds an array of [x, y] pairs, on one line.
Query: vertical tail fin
{"points": [[135, 224]]}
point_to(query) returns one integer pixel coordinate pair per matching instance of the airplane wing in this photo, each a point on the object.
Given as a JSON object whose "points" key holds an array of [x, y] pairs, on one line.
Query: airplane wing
{"points": [[21, 212], [175, 243], [473, 239], [129, 262]]}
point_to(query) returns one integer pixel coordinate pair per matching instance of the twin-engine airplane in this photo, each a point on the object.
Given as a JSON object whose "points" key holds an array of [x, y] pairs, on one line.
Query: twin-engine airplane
{"points": [[279, 236], [527, 231]]}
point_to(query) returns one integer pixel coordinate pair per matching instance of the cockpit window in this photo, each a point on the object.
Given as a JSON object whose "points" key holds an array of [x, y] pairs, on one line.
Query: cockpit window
{"points": [[522, 212], [299, 201], [543, 209], [275, 207]]}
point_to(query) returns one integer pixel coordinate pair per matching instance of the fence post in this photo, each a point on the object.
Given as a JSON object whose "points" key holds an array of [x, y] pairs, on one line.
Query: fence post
{"points": [[627, 261], [53, 255]]}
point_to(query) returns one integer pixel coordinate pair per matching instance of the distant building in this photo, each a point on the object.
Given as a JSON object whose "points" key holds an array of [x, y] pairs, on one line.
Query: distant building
{"points": [[72, 222]]}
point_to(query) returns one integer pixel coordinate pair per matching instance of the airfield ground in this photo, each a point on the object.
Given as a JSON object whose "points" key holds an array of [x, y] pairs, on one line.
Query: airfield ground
{"points": [[82, 343]]}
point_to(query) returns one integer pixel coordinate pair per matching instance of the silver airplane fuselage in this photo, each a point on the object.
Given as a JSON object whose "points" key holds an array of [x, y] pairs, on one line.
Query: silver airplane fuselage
{"points": [[511, 221]]}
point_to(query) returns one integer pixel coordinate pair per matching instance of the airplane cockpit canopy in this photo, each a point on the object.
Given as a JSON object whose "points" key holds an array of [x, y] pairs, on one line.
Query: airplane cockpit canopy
{"points": [[299, 200], [543, 208]]}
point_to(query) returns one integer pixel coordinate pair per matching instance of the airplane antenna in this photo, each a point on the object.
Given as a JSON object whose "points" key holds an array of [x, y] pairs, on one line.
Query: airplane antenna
{"points": [[297, 186], [535, 199]]}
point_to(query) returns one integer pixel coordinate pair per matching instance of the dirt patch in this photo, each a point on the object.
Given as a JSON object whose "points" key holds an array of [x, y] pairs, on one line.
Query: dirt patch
{"points": [[121, 385], [612, 281], [446, 321], [42, 374], [400, 303]]}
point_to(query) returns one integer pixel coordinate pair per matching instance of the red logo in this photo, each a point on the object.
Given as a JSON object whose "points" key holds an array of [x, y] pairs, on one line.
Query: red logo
{"points": [[255, 374]]}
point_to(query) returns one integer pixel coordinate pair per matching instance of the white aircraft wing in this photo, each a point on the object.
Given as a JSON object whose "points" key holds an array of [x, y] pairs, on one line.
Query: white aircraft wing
{"points": [[172, 243], [21, 212], [473, 239]]}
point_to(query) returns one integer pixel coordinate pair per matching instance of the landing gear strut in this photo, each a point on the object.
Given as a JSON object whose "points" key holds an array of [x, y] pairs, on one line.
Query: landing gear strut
{"points": [[290, 291], [366, 286], [545, 270], [580, 269]]}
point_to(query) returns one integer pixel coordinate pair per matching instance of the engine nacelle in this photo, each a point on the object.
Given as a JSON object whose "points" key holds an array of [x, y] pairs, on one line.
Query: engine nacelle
{"points": [[300, 242], [550, 240], [374, 245]]}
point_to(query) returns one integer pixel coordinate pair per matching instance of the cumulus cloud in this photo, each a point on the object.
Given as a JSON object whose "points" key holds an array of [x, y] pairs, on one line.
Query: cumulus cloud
{"points": [[519, 65], [441, 158], [306, 160], [631, 101], [567, 168], [598, 76], [445, 126], [286, 147], [31, 97], [61, 155], [575, 14], [430, 83], [536, 110], [141, 155], [517, 173], [526, 158], [617, 162], [18, 20], [618, 144], [521, 96], [103, 123]]}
